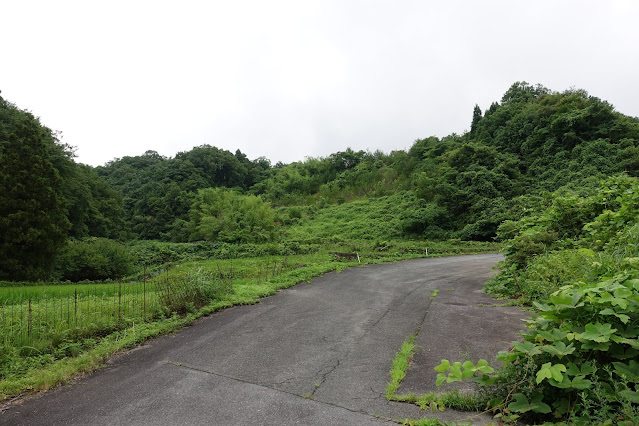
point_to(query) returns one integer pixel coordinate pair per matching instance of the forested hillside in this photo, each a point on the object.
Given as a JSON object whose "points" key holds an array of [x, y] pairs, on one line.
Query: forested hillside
{"points": [[533, 142]]}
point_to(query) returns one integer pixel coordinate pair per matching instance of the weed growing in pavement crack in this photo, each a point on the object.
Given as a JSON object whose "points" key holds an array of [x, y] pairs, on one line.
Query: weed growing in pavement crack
{"points": [[428, 401], [400, 366]]}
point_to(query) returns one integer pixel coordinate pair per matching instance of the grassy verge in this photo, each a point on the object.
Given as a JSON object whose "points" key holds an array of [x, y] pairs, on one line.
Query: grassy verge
{"points": [[253, 278]]}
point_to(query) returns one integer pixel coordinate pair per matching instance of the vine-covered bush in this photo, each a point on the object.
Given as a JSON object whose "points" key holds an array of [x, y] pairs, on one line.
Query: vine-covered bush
{"points": [[578, 359]]}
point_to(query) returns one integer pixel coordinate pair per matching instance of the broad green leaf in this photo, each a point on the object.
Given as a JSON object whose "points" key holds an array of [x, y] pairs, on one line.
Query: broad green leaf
{"points": [[468, 365], [553, 335], [589, 344], [623, 293], [574, 370], [443, 366], [456, 370], [565, 300], [578, 382], [549, 371], [634, 283], [621, 352], [469, 370], [441, 378], [598, 332], [622, 317], [528, 348], [634, 343], [482, 365], [631, 396], [522, 405], [485, 380], [542, 307], [558, 349], [629, 332], [615, 301], [505, 356], [628, 371]]}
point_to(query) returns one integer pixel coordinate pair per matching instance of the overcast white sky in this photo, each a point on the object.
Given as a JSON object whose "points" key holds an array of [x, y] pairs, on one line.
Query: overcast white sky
{"points": [[289, 79]]}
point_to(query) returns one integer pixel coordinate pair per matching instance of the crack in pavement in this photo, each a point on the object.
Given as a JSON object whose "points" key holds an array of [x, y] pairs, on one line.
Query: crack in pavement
{"points": [[324, 376], [381, 318], [398, 303], [283, 382], [213, 373]]}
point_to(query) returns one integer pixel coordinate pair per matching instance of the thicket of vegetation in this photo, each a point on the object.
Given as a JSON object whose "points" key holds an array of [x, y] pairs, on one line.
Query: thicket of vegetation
{"points": [[575, 259]]}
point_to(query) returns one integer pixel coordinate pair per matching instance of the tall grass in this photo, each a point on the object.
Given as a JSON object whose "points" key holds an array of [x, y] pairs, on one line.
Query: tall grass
{"points": [[17, 295], [37, 323], [38, 320]]}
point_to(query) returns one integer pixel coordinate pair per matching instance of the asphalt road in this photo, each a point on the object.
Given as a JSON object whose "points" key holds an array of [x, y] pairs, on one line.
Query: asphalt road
{"points": [[318, 353]]}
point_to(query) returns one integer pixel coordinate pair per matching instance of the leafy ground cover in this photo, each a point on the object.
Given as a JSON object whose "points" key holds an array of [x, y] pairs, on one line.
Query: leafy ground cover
{"points": [[576, 263], [381, 218]]}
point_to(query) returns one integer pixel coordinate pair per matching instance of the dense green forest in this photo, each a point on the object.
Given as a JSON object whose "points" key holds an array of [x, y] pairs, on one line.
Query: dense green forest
{"points": [[531, 143]]}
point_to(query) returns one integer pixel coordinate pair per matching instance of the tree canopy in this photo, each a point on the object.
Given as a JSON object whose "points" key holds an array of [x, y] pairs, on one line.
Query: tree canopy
{"points": [[45, 197]]}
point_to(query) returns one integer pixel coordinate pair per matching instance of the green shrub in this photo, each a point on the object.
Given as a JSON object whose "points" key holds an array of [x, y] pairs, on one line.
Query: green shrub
{"points": [[578, 359], [93, 259], [223, 215], [192, 289], [577, 362], [548, 272]]}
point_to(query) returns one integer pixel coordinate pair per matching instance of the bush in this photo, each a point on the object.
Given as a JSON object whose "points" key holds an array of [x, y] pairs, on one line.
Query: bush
{"points": [[578, 358], [546, 273], [93, 259], [226, 216], [192, 290], [581, 353]]}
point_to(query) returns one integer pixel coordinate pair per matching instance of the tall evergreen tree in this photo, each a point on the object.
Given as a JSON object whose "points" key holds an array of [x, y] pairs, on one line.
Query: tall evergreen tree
{"points": [[33, 223], [476, 118]]}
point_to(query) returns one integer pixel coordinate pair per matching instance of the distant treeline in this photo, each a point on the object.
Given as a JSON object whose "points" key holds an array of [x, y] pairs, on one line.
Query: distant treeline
{"points": [[534, 141]]}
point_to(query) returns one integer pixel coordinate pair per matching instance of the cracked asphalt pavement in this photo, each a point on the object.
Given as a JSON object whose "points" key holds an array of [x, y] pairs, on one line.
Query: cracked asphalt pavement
{"points": [[318, 353]]}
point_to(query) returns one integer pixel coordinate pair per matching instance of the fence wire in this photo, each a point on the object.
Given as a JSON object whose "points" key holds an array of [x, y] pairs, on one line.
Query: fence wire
{"points": [[85, 312]]}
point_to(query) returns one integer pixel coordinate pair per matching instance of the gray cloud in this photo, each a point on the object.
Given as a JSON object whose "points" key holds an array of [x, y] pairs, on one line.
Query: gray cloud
{"points": [[289, 79]]}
